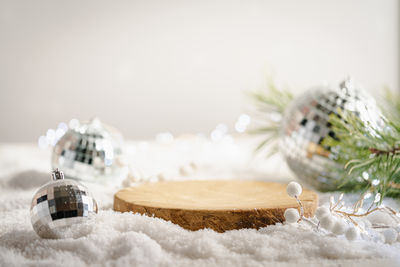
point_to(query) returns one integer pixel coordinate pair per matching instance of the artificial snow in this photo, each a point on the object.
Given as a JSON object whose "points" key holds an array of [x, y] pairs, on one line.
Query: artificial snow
{"points": [[117, 239]]}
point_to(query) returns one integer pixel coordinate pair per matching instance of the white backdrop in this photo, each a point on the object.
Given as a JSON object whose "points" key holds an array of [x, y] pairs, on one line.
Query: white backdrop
{"points": [[180, 66]]}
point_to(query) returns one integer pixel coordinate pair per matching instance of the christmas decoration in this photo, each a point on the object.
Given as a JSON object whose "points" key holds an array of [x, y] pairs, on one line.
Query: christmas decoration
{"points": [[306, 125], [339, 227], [293, 189], [291, 215], [321, 212], [302, 125], [390, 235], [370, 155], [59, 205], [341, 220], [351, 234], [327, 222], [89, 151]]}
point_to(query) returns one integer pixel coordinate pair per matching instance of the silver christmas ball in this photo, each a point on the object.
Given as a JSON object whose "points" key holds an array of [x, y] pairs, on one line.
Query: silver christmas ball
{"points": [[60, 205], [305, 126], [88, 152]]}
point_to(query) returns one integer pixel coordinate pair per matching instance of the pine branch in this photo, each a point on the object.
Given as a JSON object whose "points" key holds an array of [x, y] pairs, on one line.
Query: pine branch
{"points": [[370, 156], [270, 107]]}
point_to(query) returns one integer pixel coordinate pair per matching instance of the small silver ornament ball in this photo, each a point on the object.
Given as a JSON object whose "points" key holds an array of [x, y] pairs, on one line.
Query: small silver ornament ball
{"points": [[61, 205], [306, 125], [89, 152]]}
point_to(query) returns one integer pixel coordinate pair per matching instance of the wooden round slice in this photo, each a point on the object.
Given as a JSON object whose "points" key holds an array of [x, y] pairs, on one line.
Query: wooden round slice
{"points": [[219, 205]]}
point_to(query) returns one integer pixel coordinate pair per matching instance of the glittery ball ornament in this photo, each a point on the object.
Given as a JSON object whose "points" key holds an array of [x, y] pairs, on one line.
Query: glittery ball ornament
{"points": [[305, 126], [60, 207], [89, 152]]}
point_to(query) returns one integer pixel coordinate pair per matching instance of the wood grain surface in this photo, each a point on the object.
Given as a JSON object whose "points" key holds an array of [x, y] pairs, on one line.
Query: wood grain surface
{"points": [[220, 205]]}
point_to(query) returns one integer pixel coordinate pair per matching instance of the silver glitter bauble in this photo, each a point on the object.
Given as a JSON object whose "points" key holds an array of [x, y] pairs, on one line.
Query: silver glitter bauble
{"points": [[59, 205], [305, 126], [88, 152]]}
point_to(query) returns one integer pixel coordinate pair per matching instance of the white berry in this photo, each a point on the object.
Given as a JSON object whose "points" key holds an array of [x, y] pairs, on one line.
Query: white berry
{"points": [[390, 235], [339, 227], [327, 222], [291, 215], [378, 238], [294, 189], [351, 233], [322, 212]]}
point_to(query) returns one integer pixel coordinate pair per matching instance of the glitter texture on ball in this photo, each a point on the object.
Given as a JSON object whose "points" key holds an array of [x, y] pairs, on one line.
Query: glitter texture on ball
{"points": [[89, 152], [60, 205]]}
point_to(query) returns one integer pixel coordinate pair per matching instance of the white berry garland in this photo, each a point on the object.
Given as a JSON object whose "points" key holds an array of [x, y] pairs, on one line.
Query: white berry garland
{"points": [[327, 222], [291, 215], [390, 235], [351, 233], [322, 212], [339, 227], [294, 189], [335, 220]]}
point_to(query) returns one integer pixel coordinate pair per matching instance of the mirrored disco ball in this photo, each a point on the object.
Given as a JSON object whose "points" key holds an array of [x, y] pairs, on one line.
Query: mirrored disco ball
{"points": [[60, 205], [89, 152], [305, 126]]}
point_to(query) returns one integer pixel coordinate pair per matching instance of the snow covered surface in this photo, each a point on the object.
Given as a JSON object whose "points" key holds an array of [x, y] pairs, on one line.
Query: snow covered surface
{"points": [[118, 239]]}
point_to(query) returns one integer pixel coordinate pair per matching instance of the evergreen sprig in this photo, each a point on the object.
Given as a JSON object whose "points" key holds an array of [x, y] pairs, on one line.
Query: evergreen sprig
{"points": [[270, 106], [370, 155]]}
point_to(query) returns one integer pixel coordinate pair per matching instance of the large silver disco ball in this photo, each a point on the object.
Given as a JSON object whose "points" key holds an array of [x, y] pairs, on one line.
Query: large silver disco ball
{"points": [[60, 205], [305, 126], [89, 152]]}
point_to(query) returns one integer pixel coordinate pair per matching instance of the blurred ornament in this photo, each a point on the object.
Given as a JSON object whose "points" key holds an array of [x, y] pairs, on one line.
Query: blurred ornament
{"points": [[60, 205], [89, 151], [242, 123], [305, 126]]}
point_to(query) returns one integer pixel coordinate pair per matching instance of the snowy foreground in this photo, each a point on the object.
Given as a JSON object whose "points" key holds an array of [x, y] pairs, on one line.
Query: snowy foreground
{"points": [[117, 239]]}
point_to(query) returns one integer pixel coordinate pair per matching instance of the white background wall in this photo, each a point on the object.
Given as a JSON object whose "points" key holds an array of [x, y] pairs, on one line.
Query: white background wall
{"points": [[180, 66]]}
